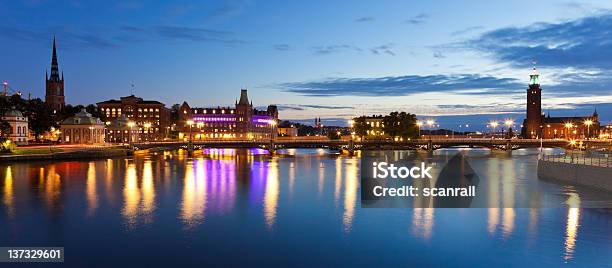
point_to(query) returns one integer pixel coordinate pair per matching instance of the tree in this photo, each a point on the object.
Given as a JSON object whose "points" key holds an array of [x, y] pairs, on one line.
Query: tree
{"points": [[5, 128], [174, 112], [333, 135], [40, 117], [361, 126], [400, 124]]}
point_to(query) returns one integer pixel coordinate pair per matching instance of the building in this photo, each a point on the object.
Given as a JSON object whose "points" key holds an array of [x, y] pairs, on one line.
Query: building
{"points": [[54, 94], [287, 131], [151, 118], [376, 126], [82, 128], [118, 130], [18, 132], [605, 132], [241, 122], [538, 125]]}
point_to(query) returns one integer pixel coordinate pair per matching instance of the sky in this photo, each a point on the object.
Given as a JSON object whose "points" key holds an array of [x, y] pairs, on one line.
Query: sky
{"points": [[458, 62]]}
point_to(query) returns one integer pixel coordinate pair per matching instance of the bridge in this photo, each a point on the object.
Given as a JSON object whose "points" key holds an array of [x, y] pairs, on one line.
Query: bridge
{"points": [[426, 144]]}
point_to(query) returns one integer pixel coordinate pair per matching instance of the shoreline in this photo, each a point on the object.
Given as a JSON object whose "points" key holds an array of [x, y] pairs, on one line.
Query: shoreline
{"points": [[71, 155]]}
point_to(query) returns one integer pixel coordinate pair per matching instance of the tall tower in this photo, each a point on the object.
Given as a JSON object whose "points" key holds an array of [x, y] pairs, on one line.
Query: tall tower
{"points": [[244, 111], [54, 95], [533, 126]]}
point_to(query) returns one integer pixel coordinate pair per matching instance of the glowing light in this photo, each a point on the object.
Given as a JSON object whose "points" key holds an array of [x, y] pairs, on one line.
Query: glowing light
{"points": [[430, 122], [190, 122], [569, 125], [509, 123], [131, 124], [493, 124], [588, 122], [419, 123]]}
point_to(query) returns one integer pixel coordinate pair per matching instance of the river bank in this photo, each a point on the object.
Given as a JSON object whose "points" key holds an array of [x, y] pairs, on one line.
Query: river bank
{"points": [[89, 153]]}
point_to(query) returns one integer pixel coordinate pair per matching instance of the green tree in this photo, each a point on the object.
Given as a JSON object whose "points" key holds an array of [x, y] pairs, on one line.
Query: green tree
{"points": [[40, 117], [333, 135], [361, 126], [400, 124]]}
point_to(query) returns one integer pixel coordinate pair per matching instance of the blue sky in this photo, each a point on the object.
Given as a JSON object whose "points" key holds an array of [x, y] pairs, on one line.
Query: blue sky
{"points": [[466, 62]]}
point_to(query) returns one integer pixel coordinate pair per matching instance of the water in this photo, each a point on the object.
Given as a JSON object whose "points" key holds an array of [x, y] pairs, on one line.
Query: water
{"points": [[302, 207]]}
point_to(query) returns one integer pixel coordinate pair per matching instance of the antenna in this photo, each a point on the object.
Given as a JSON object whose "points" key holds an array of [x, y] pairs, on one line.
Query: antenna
{"points": [[132, 89]]}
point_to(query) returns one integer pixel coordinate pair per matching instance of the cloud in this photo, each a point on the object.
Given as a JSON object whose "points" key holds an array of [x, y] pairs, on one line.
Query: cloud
{"points": [[438, 55], [386, 49], [282, 47], [365, 19], [578, 43], [333, 49], [68, 37], [468, 84], [302, 107], [418, 19], [467, 30], [195, 34]]}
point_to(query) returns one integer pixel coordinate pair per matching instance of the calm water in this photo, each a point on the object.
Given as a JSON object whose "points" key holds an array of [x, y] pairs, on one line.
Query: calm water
{"points": [[238, 207]]}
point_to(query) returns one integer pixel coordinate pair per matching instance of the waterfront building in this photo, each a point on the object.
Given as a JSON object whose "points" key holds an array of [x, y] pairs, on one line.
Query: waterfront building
{"points": [[376, 126], [151, 118], [54, 93], [291, 131], [119, 130], [82, 128], [18, 132], [538, 125], [605, 132], [241, 122]]}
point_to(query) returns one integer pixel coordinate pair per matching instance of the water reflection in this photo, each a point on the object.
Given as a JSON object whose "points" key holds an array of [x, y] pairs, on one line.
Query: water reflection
{"points": [[8, 198], [350, 193], [131, 196], [148, 191], [91, 192], [422, 222], [272, 192], [571, 230], [194, 195], [273, 199]]}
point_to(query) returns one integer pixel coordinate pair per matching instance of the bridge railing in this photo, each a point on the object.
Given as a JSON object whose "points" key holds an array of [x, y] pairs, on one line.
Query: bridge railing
{"points": [[580, 159]]}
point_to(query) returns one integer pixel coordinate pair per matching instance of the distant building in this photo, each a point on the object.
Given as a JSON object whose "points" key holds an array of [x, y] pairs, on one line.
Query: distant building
{"points": [[537, 125], [54, 94], [288, 131], [152, 118], [239, 122], [18, 133], [82, 128], [605, 132], [119, 131], [376, 126]]}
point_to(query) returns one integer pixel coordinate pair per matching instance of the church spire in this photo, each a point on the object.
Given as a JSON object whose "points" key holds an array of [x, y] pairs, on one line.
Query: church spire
{"points": [[54, 66]]}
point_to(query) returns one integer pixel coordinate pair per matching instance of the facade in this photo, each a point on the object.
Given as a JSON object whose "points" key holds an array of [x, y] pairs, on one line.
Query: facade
{"points": [[151, 118], [241, 122], [287, 131], [54, 94], [82, 128], [376, 126], [536, 125], [19, 131], [120, 131], [605, 132]]}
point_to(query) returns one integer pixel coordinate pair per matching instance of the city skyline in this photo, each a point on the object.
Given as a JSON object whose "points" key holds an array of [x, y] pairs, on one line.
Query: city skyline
{"points": [[360, 63]]}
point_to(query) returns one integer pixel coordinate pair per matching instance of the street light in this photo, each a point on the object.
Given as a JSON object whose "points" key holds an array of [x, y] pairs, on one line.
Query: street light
{"points": [[509, 124], [131, 125], [494, 125], [588, 123], [190, 123], [430, 123], [568, 126], [419, 124]]}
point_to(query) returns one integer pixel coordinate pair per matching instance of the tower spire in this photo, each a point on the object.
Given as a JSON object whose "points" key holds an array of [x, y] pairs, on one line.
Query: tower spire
{"points": [[534, 77], [54, 65]]}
